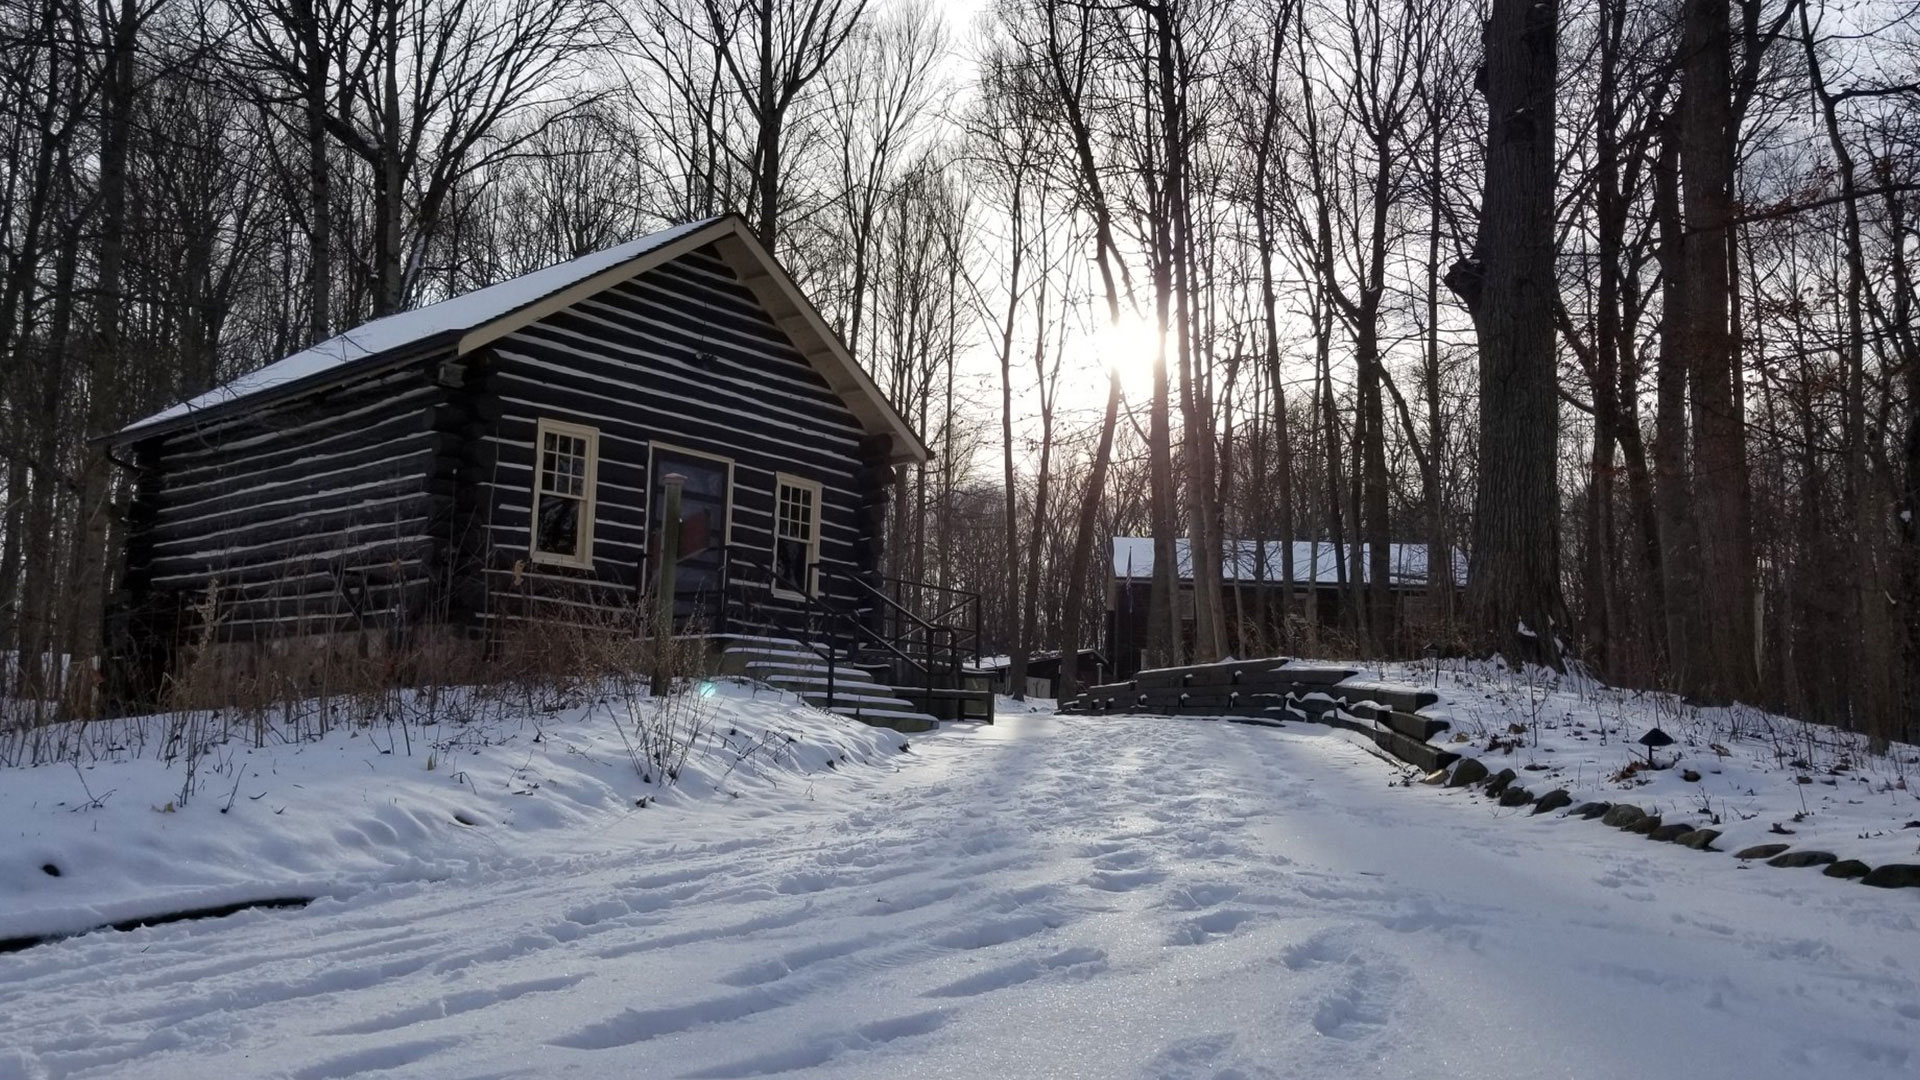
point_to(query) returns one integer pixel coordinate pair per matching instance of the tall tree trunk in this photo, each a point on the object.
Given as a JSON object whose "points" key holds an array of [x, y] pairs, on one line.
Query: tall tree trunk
{"points": [[319, 174], [389, 174], [1376, 510], [1010, 625], [1093, 195], [1872, 658], [40, 558], [1030, 614], [1165, 643], [1265, 245], [1679, 543], [10, 556], [767, 178], [1907, 517], [1330, 451], [1722, 495], [1610, 222], [1440, 569], [1081, 562], [1203, 541], [88, 595], [1508, 285], [1029, 603], [1374, 520], [1282, 469]]}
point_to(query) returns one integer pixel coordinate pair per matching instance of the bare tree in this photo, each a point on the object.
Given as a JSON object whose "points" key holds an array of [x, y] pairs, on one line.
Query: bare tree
{"points": [[1507, 283], [772, 52]]}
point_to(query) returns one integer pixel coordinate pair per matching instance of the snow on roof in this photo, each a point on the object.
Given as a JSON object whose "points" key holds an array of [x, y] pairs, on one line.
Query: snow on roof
{"points": [[1313, 561], [454, 315]]}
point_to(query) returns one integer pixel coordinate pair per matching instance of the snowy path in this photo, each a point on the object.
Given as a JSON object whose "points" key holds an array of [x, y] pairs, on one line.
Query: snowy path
{"points": [[1045, 898]]}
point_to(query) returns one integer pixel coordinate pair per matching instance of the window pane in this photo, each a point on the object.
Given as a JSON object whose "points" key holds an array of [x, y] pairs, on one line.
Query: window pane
{"points": [[790, 564], [795, 512], [559, 526], [794, 532]]}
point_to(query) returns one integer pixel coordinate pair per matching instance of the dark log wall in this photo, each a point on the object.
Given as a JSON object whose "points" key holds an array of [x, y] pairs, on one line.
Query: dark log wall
{"points": [[683, 354], [310, 516]]}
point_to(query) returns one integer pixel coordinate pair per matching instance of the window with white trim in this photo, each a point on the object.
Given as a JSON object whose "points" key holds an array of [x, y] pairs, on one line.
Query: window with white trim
{"points": [[566, 467], [796, 534]]}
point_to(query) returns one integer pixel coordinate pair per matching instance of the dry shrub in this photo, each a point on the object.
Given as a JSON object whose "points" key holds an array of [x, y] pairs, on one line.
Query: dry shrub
{"points": [[615, 661], [434, 682]]}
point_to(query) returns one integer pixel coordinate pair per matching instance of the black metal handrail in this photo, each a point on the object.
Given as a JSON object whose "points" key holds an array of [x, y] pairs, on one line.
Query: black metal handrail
{"points": [[928, 632], [967, 601], [816, 606]]}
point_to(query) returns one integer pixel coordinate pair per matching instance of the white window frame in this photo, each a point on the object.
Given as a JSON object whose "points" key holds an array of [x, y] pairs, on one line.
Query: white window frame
{"points": [[582, 558], [781, 480]]}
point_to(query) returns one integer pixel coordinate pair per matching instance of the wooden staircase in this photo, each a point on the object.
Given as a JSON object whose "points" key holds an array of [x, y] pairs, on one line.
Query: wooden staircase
{"points": [[1275, 690]]}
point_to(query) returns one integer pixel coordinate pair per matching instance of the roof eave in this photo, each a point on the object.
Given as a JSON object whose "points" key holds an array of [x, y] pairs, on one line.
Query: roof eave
{"points": [[758, 269], [341, 375], [796, 316]]}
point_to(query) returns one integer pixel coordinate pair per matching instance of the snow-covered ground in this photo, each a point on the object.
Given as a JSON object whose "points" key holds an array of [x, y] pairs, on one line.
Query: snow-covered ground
{"points": [[1047, 897], [274, 814], [1758, 778]]}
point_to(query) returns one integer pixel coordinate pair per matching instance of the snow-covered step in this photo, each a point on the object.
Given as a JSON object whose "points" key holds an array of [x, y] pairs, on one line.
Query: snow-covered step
{"points": [[748, 655], [773, 671], [903, 718], [803, 683], [739, 652], [818, 698], [792, 666], [868, 703]]}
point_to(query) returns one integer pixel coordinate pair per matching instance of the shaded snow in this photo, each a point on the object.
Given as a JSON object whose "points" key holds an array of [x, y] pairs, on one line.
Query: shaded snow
{"points": [[1757, 777], [1051, 896], [370, 805]]}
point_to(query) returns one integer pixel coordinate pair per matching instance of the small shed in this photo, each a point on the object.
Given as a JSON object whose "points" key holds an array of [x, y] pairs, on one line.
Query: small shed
{"points": [[1043, 670], [1250, 567], [498, 457]]}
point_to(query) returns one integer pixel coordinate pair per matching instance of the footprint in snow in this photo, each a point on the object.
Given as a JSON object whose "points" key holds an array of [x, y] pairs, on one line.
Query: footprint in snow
{"points": [[998, 932], [1125, 880], [392, 1056], [1214, 924], [1082, 962], [1199, 895], [823, 1050], [1346, 1015]]}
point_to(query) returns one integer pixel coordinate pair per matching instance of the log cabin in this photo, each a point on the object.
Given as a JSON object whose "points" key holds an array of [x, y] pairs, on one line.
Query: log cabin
{"points": [[499, 458]]}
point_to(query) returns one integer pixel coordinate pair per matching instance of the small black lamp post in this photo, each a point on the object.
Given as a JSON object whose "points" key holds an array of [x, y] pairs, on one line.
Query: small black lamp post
{"points": [[1652, 739]]}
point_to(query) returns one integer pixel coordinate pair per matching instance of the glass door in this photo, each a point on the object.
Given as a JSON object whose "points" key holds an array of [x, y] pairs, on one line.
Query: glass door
{"points": [[699, 573]]}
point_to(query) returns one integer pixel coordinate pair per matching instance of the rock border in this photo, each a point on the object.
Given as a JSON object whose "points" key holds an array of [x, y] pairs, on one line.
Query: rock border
{"points": [[1502, 787]]}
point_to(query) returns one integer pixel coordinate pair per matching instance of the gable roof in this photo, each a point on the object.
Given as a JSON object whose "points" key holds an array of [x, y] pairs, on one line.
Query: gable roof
{"points": [[1316, 562], [472, 320]]}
